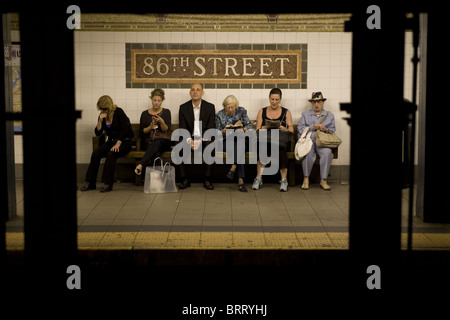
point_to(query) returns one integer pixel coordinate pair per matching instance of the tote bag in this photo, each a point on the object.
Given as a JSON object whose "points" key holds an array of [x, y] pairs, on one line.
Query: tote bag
{"points": [[303, 145], [160, 179], [327, 140]]}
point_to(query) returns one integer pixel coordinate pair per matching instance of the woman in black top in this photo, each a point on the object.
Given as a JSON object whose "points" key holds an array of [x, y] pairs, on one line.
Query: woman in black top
{"points": [[282, 118], [155, 129], [115, 125]]}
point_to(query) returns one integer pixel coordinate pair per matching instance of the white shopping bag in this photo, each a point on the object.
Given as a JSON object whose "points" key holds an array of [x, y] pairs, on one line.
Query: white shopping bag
{"points": [[160, 179]]}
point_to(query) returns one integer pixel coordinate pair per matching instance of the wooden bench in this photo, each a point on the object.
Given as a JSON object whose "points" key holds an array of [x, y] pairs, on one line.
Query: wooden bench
{"points": [[137, 152]]}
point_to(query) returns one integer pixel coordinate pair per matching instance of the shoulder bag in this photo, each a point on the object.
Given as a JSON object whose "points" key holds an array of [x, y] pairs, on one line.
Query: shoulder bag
{"points": [[157, 133], [303, 145], [327, 140]]}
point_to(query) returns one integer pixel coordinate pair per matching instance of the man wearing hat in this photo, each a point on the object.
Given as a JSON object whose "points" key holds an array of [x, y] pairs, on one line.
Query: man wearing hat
{"points": [[311, 118]]}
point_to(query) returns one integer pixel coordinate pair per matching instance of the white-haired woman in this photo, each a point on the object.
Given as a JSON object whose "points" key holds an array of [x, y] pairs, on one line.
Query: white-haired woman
{"points": [[234, 117]]}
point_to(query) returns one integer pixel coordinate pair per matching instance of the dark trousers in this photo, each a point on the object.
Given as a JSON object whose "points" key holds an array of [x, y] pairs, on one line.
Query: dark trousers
{"points": [[104, 151], [239, 153], [207, 167], [154, 150]]}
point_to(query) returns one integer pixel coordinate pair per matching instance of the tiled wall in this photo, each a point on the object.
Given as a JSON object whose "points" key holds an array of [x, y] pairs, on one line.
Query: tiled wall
{"points": [[100, 69]]}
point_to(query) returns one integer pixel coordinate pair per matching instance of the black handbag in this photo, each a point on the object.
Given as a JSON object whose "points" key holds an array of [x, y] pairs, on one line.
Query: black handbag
{"points": [[284, 138]]}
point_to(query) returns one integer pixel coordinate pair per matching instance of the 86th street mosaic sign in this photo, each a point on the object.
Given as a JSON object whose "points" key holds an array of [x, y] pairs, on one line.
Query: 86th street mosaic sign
{"points": [[216, 66]]}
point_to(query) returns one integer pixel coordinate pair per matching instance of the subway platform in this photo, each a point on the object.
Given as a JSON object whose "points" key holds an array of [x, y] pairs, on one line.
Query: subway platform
{"points": [[224, 218]]}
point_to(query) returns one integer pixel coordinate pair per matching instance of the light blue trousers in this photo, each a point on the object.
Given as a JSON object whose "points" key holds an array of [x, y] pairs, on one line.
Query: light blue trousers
{"points": [[325, 154]]}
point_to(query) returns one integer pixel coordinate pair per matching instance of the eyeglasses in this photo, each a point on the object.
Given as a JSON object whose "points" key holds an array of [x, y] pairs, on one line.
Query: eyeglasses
{"points": [[316, 101], [103, 109]]}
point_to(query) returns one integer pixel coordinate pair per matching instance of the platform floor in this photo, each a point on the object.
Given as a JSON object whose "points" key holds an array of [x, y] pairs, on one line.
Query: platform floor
{"points": [[128, 218]]}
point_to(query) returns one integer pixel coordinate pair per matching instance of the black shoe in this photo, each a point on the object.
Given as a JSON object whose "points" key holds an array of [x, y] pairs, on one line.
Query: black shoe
{"points": [[208, 185], [106, 188], [88, 186], [184, 184]]}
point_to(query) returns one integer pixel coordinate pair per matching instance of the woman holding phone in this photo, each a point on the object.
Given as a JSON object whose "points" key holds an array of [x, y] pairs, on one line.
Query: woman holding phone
{"points": [[154, 130]]}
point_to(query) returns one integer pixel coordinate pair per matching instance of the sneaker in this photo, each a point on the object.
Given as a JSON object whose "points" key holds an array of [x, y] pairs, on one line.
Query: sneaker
{"points": [[284, 185], [257, 183]]}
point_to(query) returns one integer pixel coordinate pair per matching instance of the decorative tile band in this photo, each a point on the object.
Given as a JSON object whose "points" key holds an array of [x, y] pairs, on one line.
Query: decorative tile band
{"points": [[172, 65], [172, 22]]}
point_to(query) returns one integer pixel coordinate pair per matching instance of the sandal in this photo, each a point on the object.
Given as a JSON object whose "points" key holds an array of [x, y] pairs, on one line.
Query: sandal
{"points": [[242, 188], [325, 186], [230, 175], [138, 171]]}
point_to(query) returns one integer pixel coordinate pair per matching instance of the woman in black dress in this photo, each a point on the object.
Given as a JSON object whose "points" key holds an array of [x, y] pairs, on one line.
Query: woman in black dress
{"points": [[155, 130]]}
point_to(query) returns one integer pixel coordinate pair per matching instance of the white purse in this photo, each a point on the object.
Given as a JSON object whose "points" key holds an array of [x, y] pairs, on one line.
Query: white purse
{"points": [[303, 145]]}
